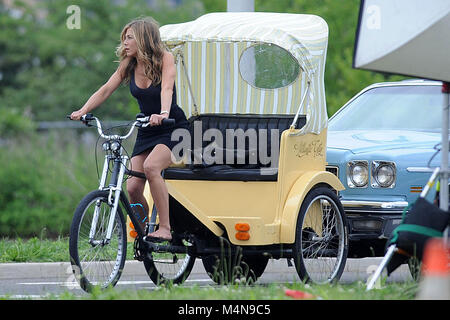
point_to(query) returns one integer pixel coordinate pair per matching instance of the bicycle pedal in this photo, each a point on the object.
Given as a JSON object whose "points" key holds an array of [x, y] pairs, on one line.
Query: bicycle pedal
{"points": [[156, 239]]}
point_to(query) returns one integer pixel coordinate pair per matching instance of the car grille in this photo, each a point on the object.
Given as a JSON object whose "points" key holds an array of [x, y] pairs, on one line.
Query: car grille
{"points": [[334, 170]]}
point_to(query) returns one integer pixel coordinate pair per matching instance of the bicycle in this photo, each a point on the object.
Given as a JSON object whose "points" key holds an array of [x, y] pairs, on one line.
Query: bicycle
{"points": [[98, 241]]}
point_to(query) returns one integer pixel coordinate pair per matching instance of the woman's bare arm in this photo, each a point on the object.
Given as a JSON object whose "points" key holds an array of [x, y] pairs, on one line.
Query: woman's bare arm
{"points": [[167, 81]]}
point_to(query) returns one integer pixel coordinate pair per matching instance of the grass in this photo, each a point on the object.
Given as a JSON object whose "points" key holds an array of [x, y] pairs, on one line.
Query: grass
{"points": [[39, 250], [34, 250], [274, 291], [45, 250]]}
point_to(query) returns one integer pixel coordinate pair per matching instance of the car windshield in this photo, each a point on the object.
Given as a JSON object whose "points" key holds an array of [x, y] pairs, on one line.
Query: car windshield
{"points": [[417, 108]]}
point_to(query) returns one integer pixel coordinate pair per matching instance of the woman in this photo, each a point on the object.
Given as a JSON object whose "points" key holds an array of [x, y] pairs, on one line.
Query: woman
{"points": [[150, 71]]}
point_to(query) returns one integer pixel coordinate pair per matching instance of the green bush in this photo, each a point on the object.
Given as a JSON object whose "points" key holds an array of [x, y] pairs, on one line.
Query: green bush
{"points": [[42, 179], [13, 123]]}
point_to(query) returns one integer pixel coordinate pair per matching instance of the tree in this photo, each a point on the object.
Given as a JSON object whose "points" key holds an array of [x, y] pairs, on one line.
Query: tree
{"points": [[50, 69], [47, 70]]}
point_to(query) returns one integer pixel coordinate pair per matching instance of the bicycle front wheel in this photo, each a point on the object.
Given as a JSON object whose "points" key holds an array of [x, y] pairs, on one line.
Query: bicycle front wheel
{"points": [[95, 260]]}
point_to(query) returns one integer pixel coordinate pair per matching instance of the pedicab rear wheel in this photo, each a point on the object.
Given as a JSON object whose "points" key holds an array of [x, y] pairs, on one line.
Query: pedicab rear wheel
{"points": [[321, 240]]}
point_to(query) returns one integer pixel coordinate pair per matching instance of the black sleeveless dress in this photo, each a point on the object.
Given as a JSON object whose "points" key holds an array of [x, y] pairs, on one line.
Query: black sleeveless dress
{"points": [[149, 103]]}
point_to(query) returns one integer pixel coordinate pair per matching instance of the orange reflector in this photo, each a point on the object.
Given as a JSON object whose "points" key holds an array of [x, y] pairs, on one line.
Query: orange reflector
{"points": [[243, 236], [131, 225], [242, 227], [416, 189], [133, 233]]}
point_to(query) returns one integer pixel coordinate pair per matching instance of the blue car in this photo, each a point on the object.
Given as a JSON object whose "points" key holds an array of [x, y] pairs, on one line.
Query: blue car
{"points": [[381, 145]]}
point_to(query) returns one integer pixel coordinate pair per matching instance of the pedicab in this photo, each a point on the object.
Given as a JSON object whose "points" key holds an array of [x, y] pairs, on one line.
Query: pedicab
{"points": [[249, 181], [254, 185]]}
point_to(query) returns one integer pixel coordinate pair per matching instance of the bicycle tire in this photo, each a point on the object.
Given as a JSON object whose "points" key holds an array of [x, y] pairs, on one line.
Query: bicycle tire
{"points": [[321, 257], [169, 268], [96, 263]]}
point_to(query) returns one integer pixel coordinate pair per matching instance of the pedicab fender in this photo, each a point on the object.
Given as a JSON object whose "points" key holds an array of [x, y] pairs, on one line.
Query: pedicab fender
{"points": [[294, 200]]}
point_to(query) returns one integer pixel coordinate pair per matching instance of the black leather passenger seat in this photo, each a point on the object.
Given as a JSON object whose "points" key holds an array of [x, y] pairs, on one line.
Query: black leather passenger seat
{"points": [[241, 160]]}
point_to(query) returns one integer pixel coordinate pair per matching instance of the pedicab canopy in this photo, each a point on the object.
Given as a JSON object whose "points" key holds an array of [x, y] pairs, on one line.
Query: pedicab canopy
{"points": [[251, 63]]}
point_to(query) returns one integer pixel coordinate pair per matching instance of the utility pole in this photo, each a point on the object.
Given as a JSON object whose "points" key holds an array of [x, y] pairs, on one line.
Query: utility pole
{"points": [[240, 5]]}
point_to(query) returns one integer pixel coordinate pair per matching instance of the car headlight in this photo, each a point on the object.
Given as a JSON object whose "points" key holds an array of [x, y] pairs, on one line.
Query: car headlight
{"points": [[383, 174], [357, 174]]}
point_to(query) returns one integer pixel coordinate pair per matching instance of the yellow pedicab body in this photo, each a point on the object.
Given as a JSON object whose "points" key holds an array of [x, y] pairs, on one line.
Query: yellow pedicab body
{"points": [[212, 59]]}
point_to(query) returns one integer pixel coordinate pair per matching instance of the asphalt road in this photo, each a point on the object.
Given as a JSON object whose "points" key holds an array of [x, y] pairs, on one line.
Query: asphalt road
{"points": [[37, 280]]}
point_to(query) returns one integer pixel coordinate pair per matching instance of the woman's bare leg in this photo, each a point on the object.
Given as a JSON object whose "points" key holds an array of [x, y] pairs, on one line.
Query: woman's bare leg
{"points": [[159, 159], [135, 185]]}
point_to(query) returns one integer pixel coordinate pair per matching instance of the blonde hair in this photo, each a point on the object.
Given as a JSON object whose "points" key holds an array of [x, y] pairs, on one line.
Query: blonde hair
{"points": [[150, 49]]}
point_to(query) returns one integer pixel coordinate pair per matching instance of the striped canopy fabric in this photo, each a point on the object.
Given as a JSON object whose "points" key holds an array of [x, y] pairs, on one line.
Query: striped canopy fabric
{"points": [[208, 51]]}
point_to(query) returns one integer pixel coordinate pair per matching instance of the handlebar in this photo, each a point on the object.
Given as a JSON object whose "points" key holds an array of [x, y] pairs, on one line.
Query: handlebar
{"points": [[142, 121]]}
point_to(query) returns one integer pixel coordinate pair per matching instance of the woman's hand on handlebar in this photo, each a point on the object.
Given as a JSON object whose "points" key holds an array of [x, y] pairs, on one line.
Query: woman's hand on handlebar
{"points": [[76, 115], [156, 119]]}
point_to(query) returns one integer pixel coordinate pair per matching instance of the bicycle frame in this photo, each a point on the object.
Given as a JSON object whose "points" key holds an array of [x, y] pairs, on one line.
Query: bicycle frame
{"points": [[116, 193]]}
